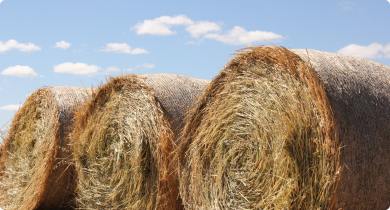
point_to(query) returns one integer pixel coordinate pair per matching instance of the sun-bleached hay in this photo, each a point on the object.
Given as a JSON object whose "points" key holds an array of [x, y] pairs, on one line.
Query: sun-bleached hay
{"points": [[289, 129], [123, 139], [36, 154]]}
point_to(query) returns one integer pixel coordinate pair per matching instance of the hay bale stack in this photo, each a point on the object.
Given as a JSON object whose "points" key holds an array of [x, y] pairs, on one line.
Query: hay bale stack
{"points": [[282, 129], [123, 140], [37, 174]]}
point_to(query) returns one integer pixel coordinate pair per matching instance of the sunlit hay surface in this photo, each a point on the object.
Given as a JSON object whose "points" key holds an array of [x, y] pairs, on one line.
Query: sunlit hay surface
{"points": [[260, 138], [27, 166], [4, 133], [3, 153], [120, 136]]}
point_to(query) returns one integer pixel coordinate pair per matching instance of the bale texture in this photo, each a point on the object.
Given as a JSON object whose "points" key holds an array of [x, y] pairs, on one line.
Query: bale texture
{"points": [[37, 173], [360, 94], [124, 137], [289, 129]]}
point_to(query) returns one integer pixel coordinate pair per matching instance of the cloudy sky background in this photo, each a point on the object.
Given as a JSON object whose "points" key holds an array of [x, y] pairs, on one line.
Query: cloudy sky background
{"points": [[79, 43]]}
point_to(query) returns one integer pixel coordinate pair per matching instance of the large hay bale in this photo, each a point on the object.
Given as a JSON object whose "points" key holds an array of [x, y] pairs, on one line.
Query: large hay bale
{"points": [[37, 174], [123, 139], [282, 129]]}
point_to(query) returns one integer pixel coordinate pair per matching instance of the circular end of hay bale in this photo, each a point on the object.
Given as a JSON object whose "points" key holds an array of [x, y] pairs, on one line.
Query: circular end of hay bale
{"points": [[28, 168], [120, 137], [36, 172], [260, 138]]}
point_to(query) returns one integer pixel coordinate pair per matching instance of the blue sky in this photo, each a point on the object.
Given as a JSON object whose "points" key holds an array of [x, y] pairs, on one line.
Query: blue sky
{"points": [[79, 43]]}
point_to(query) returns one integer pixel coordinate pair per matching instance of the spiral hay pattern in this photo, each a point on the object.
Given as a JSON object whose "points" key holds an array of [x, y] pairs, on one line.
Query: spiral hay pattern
{"points": [[124, 137], [289, 129], [36, 154]]}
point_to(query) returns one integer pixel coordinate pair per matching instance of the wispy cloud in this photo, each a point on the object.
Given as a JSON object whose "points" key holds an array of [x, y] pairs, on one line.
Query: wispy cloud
{"points": [[19, 71], [123, 48], [76, 68], [192, 42], [148, 65], [144, 66], [347, 5], [372, 51], [13, 44], [161, 25], [62, 44], [10, 107], [239, 36], [202, 27], [113, 69], [388, 1], [2, 1], [386, 50]]}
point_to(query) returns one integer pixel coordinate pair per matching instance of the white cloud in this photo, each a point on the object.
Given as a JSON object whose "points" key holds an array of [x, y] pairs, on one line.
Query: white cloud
{"points": [[388, 1], [148, 65], [139, 51], [386, 50], [13, 44], [19, 71], [162, 25], [371, 51], [145, 65], [10, 107], [2, 1], [191, 42], [202, 27], [113, 69], [236, 36], [123, 48], [239, 36], [76, 68], [62, 44]]}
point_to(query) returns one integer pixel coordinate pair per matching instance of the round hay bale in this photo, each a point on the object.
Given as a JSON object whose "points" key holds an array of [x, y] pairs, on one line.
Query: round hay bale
{"points": [[282, 129], [124, 137], [36, 166]]}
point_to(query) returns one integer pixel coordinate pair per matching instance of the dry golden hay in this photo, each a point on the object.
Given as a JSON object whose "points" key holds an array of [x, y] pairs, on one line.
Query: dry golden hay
{"points": [[289, 129], [124, 137], [36, 155]]}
